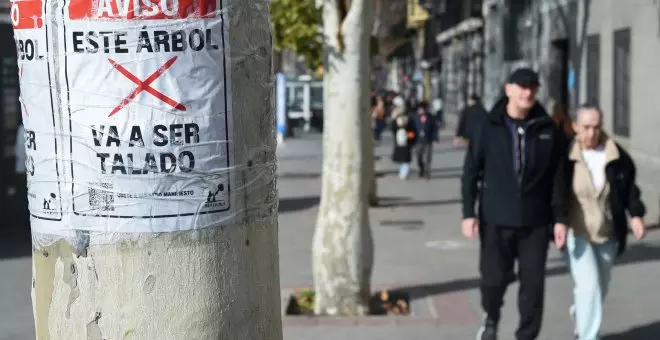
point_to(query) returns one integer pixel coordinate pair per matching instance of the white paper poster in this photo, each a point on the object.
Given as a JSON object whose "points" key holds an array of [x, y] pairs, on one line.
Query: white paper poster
{"points": [[144, 114], [39, 116]]}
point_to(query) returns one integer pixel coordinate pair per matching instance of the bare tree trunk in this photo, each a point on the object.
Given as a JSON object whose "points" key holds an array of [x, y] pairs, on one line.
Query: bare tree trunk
{"points": [[194, 272], [342, 247]]}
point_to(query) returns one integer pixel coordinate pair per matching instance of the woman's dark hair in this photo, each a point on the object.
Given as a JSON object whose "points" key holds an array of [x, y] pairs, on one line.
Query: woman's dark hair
{"points": [[374, 100], [562, 119]]}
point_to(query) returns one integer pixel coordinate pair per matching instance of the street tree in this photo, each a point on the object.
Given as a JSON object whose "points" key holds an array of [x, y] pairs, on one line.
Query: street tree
{"points": [[342, 250], [297, 27], [153, 198]]}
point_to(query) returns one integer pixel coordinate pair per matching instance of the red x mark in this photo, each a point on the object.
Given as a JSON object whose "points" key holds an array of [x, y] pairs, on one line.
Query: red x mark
{"points": [[145, 86]]}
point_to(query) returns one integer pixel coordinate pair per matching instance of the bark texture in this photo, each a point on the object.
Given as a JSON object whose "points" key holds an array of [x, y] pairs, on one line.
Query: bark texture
{"points": [[214, 283], [342, 247]]}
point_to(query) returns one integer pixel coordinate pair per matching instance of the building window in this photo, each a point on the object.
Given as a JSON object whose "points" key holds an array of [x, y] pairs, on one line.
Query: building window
{"points": [[515, 33], [622, 82], [593, 69]]}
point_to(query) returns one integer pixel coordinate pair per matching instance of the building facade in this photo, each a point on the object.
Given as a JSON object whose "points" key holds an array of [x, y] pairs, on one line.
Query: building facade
{"points": [[417, 62], [600, 51], [461, 49]]}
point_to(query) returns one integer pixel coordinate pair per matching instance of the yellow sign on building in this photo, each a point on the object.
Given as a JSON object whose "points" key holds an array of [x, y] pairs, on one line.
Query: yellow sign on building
{"points": [[417, 14]]}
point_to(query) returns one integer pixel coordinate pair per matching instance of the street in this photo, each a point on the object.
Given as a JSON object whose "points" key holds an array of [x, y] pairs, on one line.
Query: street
{"points": [[419, 249]]}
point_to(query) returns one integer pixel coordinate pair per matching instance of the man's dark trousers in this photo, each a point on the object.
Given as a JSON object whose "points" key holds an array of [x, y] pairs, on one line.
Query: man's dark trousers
{"points": [[500, 247], [424, 158]]}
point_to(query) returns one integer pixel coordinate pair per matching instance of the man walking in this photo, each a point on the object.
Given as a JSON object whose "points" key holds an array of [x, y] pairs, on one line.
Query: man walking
{"points": [[471, 116], [521, 155], [427, 132]]}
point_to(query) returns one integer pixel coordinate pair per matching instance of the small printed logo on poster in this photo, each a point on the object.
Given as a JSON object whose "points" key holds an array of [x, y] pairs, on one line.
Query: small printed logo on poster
{"points": [[50, 204], [216, 197]]}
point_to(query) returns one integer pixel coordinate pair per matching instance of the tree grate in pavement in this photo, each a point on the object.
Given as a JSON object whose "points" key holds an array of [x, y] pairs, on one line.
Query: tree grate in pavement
{"points": [[450, 309]]}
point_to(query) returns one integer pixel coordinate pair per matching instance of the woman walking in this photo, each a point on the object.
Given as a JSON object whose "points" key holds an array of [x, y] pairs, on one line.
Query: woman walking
{"points": [[405, 137], [603, 191]]}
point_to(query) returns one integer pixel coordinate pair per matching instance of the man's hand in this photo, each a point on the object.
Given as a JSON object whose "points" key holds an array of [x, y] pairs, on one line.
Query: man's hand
{"points": [[560, 235], [470, 228], [638, 227], [458, 141]]}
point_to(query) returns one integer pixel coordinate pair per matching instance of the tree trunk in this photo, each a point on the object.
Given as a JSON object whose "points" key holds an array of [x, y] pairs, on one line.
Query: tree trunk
{"points": [[342, 247], [195, 272]]}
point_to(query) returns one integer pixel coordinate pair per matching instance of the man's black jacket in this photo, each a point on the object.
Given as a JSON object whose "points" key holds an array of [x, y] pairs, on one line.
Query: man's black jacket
{"points": [[539, 198]]}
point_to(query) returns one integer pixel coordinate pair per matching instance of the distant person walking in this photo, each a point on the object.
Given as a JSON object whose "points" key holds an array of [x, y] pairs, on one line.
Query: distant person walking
{"points": [[412, 103], [405, 136], [427, 132], [563, 121], [603, 193], [437, 111], [437, 108], [472, 115], [521, 155], [378, 115]]}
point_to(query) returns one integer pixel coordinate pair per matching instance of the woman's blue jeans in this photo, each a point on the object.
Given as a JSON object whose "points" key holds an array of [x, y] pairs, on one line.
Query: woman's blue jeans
{"points": [[591, 266]]}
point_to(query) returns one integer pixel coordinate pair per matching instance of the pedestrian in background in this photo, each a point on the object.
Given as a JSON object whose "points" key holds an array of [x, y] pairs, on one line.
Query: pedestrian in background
{"points": [[472, 115], [436, 104], [377, 115], [522, 158], [563, 121], [603, 193], [412, 103], [427, 135], [405, 136], [437, 112], [389, 104]]}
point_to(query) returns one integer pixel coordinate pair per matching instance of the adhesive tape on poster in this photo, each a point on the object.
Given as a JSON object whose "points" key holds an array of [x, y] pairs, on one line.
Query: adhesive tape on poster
{"points": [[127, 112]]}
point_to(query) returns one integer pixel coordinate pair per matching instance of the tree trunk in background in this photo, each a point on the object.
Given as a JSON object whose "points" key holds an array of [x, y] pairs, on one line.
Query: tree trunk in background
{"points": [[217, 279], [342, 249]]}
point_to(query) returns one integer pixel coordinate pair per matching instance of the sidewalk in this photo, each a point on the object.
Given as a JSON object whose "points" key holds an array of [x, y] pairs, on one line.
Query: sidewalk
{"points": [[419, 249]]}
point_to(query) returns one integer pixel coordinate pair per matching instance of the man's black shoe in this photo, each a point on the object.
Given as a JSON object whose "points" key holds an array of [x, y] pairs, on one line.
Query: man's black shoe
{"points": [[488, 331]]}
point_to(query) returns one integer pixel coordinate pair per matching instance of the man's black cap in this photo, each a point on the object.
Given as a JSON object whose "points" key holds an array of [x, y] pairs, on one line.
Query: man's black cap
{"points": [[524, 77]]}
